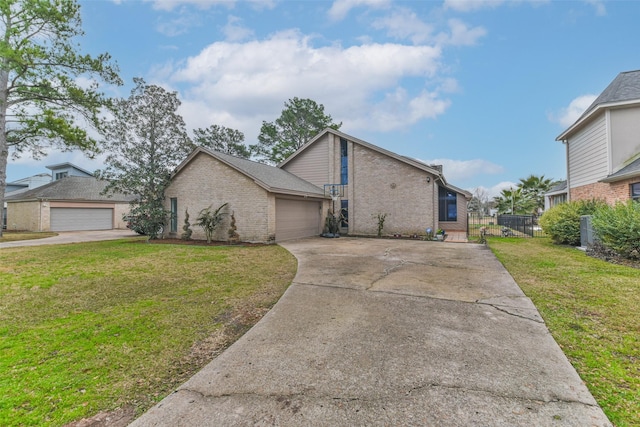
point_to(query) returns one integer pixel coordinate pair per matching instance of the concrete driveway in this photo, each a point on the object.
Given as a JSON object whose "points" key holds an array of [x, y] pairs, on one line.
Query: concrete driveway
{"points": [[388, 333], [72, 237]]}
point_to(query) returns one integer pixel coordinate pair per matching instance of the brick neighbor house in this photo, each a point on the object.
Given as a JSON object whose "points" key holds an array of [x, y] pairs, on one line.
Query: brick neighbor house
{"points": [[71, 201], [603, 145], [292, 200]]}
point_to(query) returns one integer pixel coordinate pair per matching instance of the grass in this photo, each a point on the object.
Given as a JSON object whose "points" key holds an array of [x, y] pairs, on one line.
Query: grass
{"points": [[591, 308], [12, 236], [92, 327]]}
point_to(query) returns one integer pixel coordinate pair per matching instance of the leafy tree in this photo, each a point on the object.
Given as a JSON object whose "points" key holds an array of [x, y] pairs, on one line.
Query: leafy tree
{"points": [[301, 120], [223, 139], [480, 201], [146, 139], [42, 103], [209, 220]]}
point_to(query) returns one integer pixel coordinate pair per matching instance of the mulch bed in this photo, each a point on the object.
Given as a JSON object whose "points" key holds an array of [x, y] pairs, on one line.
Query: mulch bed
{"points": [[193, 242], [598, 251]]}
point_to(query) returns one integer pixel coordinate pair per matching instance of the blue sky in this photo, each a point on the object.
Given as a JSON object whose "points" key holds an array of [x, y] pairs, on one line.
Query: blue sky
{"points": [[482, 87]]}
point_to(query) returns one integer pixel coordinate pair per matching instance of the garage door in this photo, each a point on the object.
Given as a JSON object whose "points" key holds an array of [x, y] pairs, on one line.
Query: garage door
{"points": [[79, 219], [296, 219]]}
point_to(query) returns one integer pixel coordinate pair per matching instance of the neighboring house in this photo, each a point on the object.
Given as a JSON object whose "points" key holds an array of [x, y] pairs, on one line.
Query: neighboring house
{"points": [[292, 200], [556, 195], [413, 195], [71, 202], [603, 145], [268, 204], [22, 185]]}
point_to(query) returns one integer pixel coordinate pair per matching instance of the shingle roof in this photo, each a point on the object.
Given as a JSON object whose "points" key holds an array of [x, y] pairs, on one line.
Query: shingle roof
{"points": [[77, 188], [629, 171], [625, 87], [560, 187], [272, 178]]}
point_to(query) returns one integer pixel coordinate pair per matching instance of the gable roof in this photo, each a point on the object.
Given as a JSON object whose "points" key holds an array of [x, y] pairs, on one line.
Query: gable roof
{"points": [[434, 170], [72, 188], [623, 90], [67, 165], [270, 178]]}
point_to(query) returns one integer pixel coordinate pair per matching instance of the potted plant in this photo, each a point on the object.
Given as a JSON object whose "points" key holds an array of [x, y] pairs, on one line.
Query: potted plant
{"points": [[440, 234]]}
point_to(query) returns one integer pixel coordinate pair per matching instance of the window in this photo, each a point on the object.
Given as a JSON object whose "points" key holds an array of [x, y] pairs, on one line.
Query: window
{"points": [[344, 213], [60, 175], [447, 205], [174, 215], [344, 162], [635, 191]]}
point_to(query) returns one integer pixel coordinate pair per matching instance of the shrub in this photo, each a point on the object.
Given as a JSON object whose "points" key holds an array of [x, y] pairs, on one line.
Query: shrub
{"points": [[186, 227], [562, 222], [209, 220], [618, 228]]}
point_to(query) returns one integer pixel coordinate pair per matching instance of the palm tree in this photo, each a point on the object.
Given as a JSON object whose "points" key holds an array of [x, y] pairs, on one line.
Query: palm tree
{"points": [[534, 188]]}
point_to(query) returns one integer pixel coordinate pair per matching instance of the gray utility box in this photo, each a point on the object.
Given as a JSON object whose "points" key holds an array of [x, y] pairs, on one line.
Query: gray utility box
{"points": [[587, 236]]}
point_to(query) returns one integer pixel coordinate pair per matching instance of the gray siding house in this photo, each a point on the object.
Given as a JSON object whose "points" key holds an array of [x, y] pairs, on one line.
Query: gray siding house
{"points": [[603, 145]]}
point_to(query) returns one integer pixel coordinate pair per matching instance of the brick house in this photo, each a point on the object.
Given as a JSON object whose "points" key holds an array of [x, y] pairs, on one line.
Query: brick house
{"points": [[412, 194], [71, 201], [292, 200], [603, 145], [268, 204]]}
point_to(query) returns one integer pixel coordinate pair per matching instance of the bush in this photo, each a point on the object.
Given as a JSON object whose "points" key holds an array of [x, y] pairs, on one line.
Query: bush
{"points": [[562, 222], [618, 228]]}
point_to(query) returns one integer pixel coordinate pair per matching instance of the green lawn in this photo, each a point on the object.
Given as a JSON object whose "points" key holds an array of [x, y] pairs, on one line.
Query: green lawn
{"points": [[592, 309], [97, 326]]}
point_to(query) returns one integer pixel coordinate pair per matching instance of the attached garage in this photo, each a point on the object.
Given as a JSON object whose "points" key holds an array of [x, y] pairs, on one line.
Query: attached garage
{"points": [[296, 219], [81, 219]]}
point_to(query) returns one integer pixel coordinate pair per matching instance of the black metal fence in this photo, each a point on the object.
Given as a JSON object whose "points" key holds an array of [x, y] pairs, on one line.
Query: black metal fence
{"points": [[504, 225]]}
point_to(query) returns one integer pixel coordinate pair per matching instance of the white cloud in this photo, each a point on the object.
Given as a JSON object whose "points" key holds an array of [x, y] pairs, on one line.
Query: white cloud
{"points": [[461, 34], [404, 24], [362, 86], [495, 190], [177, 26], [471, 5], [341, 8], [599, 7], [567, 116], [459, 170], [169, 5], [233, 31]]}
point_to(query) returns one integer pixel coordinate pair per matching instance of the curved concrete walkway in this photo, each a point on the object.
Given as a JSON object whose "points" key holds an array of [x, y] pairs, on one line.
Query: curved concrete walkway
{"points": [[387, 333], [72, 237]]}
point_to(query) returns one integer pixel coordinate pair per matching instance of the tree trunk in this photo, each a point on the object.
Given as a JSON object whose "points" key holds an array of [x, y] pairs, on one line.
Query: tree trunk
{"points": [[4, 147]]}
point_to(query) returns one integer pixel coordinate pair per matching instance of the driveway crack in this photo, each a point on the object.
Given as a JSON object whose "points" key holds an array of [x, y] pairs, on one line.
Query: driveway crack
{"points": [[510, 312]]}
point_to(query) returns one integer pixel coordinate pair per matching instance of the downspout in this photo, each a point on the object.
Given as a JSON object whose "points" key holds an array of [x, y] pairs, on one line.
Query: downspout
{"points": [[436, 201]]}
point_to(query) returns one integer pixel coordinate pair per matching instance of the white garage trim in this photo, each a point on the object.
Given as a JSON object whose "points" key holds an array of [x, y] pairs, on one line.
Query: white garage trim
{"points": [[297, 218], [81, 219]]}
